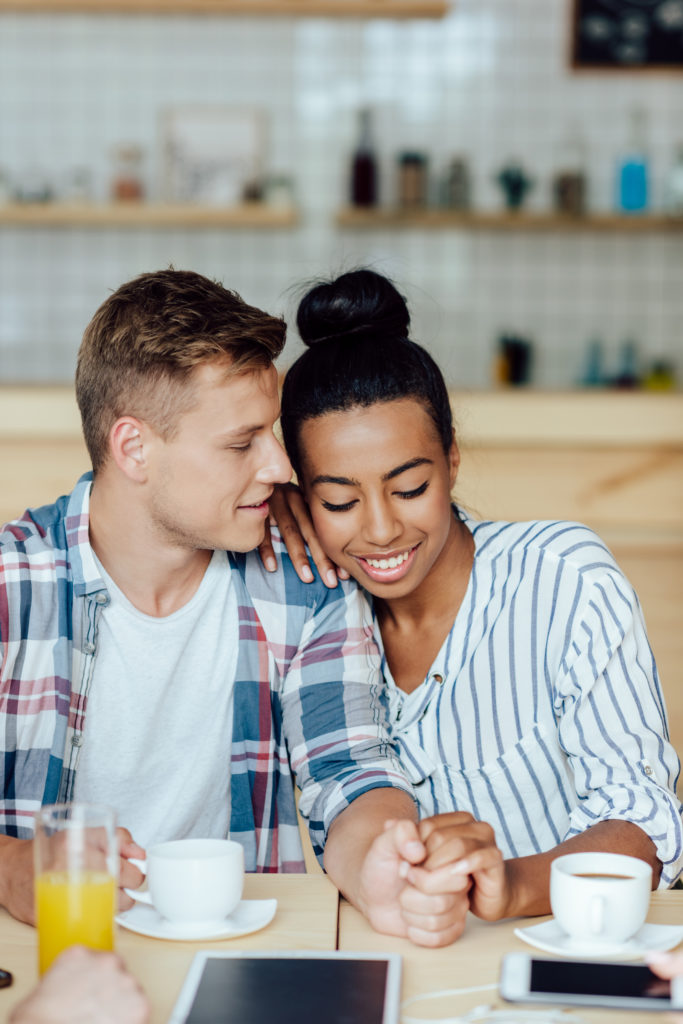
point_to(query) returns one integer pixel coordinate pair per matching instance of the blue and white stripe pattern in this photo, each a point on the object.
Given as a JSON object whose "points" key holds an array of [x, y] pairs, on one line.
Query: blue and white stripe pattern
{"points": [[542, 713]]}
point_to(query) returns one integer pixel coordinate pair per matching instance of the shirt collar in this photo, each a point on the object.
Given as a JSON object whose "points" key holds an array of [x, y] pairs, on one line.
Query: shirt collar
{"points": [[86, 577]]}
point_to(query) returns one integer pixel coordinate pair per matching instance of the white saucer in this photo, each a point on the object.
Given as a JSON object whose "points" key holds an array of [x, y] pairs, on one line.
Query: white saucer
{"points": [[249, 916], [549, 936]]}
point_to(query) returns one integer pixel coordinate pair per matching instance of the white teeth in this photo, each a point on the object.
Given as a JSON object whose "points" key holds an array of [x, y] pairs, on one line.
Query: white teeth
{"points": [[388, 563]]}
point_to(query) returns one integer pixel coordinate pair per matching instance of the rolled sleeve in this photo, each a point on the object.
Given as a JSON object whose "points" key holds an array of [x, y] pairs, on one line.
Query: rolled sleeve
{"points": [[613, 726], [335, 714]]}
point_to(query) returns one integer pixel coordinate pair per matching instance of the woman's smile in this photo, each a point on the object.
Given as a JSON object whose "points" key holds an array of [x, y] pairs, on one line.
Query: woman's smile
{"points": [[387, 567]]}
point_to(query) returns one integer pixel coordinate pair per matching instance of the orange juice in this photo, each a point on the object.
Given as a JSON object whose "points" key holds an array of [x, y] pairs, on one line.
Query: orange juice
{"points": [[74, 908]]}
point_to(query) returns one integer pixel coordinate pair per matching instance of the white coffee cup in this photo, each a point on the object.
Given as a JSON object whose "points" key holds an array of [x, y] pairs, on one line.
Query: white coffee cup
{"points": [[600, 898], [193, 881]]}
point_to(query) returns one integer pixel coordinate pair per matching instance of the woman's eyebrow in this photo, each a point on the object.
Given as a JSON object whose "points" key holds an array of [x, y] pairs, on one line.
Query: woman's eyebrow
{"points": [[346, 481], [406, 465]]}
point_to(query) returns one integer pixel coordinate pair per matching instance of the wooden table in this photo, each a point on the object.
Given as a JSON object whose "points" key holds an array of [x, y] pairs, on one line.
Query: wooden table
{"points": [[475, 961], [306, 918], [309, 917]]}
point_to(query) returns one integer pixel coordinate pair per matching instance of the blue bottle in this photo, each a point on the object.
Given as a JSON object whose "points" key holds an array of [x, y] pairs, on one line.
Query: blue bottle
{"points": [[633, 170]]}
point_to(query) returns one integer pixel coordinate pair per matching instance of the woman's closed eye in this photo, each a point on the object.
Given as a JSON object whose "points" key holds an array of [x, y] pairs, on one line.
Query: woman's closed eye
{"points": [[415, 493], [329, 507], [348, 505]]}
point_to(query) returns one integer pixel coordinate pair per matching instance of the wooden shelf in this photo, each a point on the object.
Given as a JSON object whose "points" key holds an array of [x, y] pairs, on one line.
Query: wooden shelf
{"points": [[145, 215], [387, 218], [288, 8]]}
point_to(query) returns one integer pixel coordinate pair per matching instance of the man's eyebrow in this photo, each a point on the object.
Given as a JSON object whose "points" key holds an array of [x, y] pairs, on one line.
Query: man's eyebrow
{"points": [[346, 481], [241, 431]]}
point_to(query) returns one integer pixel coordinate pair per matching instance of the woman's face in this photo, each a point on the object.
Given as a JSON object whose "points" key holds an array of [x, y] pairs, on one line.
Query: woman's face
{"points": [[378, 485]]}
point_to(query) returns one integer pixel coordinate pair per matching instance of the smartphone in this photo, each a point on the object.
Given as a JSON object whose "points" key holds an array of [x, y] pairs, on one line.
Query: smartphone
{"points": [[5, 979], [617, 985]]}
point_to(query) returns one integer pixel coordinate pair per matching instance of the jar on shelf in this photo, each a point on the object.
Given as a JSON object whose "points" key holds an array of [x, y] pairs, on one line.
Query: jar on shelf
{"points": [[126, 185], [456, 185], [570, 179], [412, 179]]}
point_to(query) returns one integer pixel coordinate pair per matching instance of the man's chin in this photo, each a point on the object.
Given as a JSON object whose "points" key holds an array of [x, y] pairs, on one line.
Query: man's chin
{"points": [[243, 541]]}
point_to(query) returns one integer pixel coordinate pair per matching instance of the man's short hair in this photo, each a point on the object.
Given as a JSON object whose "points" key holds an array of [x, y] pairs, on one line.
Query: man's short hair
{"points": [[143, 344]]}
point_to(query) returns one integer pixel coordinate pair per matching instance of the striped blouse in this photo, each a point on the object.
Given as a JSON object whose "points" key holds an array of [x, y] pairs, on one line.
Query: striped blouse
{"points": [[542, 713]]}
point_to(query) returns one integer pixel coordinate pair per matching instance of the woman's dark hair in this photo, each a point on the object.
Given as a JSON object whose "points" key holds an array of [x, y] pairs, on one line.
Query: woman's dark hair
{"points": [[356, 329]]}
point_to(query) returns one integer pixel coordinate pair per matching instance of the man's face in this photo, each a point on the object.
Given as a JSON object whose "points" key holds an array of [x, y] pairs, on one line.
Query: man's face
{"points": [[209, 484]]}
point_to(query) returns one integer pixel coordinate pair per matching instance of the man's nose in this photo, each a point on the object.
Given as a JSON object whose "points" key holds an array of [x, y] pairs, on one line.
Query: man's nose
{"points": [[277, 468]]}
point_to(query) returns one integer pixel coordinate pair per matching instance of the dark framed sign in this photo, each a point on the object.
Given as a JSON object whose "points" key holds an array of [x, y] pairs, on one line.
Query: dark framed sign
{"points": [[623, 35]]}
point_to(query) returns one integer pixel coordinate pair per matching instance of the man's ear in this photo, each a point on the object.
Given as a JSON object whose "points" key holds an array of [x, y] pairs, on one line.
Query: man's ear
{"points": [[453, 461], [127, 448]]}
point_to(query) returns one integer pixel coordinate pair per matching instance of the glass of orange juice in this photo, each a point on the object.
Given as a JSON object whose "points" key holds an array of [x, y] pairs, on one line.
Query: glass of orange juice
{"points": [[76, 877]]}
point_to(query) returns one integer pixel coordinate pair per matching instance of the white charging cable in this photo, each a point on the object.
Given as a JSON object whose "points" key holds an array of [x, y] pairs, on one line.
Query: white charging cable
{"points": [[486, 1014]]}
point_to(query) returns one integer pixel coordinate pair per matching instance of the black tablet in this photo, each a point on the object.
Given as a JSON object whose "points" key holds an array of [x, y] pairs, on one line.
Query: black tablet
{"points": [[290, 988]]}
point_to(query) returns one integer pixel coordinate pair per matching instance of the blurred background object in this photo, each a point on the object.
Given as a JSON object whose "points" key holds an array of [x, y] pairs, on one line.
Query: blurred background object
{"points": [[364, 164], [126, 183], [633, 186], [413, 170], [269, 155], [515, 183]]}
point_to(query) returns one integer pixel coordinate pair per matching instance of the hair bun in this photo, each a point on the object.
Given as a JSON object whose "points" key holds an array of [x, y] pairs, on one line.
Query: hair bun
{"points": [[358, 305]]}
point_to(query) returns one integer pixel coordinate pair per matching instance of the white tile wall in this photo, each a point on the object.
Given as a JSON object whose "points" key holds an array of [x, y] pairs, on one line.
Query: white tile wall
{"points": [[490, 81]]}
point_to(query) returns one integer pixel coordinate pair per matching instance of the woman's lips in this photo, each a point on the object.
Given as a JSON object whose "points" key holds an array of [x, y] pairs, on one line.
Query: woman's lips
{"points": [[390, 573]]}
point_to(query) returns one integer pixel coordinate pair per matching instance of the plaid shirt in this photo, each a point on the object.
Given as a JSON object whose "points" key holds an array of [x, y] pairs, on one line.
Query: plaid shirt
{"points": [[308, 692]]}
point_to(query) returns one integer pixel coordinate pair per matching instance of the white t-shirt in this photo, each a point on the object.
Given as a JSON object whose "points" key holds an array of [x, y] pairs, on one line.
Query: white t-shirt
{"points": [[157, 739]]}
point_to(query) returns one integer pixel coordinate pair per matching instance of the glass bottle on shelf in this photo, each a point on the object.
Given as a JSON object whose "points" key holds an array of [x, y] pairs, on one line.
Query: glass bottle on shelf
{"points": [[570, 182], [456, 188], [628, 374], [364, 165], [633, 184], [593, 375], [126, 184], [674, 185]]}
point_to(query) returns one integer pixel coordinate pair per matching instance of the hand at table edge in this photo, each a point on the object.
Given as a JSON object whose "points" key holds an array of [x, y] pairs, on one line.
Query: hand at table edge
{"points": [[16, 878], [84, 987]]}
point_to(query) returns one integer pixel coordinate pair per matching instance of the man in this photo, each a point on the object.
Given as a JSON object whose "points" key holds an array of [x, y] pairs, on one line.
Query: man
{"points": [[148, 661]]}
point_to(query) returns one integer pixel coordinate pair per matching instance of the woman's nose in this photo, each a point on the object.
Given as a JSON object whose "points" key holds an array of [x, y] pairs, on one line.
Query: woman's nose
{"points": [[380, 526]]}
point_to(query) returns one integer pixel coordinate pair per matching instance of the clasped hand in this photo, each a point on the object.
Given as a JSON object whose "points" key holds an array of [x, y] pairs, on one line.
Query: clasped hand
{"points": [[421, 879]]}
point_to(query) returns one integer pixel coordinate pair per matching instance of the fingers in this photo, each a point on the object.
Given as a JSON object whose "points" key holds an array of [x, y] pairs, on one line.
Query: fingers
{"points": [[124, 901], [438, 822], [455, 877], [407, 843], [282, 505], [327, 569], [666, 965], [434, 920], [127, 845], [130, 876], [453, 844], [434, 940], [290, 511], [266, 552]]}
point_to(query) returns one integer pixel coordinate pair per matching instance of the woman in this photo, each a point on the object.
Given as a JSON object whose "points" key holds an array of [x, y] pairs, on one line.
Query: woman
{"points": [[521, 687]]}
